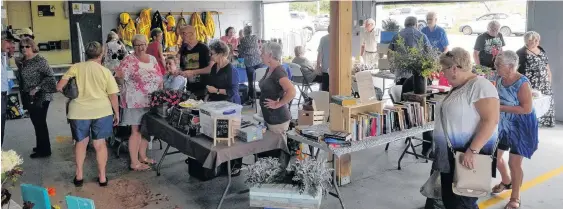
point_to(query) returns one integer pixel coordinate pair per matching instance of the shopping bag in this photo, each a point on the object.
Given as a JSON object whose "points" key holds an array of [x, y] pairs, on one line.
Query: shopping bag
{"points": [[433, 187]]}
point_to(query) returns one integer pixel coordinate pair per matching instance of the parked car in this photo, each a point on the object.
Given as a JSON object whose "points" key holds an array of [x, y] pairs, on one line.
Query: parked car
{"points": [[302, 21], [510, 24], [321, 22], [401, 14]]}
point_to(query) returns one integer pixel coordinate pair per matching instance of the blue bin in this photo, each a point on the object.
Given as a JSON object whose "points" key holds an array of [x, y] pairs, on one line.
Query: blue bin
{"points": [[387, 36]]}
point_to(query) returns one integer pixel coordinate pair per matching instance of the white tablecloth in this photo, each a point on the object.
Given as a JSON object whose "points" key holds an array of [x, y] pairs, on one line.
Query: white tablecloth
{"points": [[541, 105]]}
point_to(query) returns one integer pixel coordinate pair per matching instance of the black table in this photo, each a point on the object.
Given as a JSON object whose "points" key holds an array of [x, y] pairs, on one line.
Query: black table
{"points": [[201, 147]]}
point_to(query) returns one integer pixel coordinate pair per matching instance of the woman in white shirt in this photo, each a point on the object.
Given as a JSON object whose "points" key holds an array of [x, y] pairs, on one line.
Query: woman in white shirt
{"points": [[471, 114]]}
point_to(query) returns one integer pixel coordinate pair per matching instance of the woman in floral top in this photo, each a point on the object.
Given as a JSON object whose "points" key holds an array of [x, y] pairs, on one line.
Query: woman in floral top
{"points": [[140, 75], [249, 50]]}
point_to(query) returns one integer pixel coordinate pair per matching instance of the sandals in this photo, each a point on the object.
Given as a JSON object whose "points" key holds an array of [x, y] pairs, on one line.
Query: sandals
{"points": [[511, 204], [102, 184], [501, 187], [78, 183], [148, 161], [140, 167]]}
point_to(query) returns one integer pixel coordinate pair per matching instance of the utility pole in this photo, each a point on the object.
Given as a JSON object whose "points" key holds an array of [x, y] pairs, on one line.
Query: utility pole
{"points": [[318, 7]]}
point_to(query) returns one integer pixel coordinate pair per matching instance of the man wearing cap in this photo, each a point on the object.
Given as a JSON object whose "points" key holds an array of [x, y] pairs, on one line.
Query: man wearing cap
{"points": [[7, 51], [25, 32], [369, 38]]}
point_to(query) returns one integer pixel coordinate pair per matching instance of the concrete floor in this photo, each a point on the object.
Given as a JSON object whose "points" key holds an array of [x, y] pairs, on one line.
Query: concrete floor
{"points": [[376, 182]]}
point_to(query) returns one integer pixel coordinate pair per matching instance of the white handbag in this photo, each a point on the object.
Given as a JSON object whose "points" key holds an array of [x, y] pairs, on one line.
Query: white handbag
{"points": [[467, 182]]}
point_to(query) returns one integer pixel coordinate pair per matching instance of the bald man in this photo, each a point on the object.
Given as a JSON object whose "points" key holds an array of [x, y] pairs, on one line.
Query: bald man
{"points": [[194, 60], [436, 34], [369, 38]]}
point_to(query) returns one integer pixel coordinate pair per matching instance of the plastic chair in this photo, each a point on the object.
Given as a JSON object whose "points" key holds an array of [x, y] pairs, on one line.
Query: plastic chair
{"points": [[258, 74], [322, 102], [297, 79]]}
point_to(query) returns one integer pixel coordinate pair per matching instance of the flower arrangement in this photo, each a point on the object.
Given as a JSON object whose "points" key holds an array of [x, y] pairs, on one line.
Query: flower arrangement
{"points": [[307, 175], [167, 97], [10, 166], [420, 60], [10, 172], [391, 25]]}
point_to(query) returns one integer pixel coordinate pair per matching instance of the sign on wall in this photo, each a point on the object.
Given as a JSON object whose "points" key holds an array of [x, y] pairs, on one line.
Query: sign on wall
{"points": [[45, 10]]}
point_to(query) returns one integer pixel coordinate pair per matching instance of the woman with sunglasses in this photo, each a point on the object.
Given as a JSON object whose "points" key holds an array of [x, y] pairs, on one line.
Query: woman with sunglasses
{"points": [[37, 84], [139, 74]]}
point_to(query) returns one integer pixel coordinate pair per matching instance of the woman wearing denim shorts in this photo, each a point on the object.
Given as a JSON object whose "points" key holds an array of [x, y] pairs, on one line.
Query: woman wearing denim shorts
{"points": [[91, 114]]}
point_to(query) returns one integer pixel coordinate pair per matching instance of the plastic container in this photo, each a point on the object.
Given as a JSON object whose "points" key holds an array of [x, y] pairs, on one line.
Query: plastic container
{"points": [[211, 110]]}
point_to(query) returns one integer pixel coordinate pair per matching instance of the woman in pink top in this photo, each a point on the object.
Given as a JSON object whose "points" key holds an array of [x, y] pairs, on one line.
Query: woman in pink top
{"points": [[230, 39], [155, 48], [139, 74]]}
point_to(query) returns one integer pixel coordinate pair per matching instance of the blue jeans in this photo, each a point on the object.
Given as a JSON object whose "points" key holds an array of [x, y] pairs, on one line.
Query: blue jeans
{"points": [[250, 76]]}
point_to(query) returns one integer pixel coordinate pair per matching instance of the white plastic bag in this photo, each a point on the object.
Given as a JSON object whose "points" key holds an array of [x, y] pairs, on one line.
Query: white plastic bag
{"points": [[433, 187]]}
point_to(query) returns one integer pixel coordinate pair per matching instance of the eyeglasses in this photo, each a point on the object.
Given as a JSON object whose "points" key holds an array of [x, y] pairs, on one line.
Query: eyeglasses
{"points": [[27, 47], [139, 45]]}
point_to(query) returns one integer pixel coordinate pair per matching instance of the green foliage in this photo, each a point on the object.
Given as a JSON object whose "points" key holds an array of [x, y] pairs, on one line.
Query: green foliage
{"points": [[310, 7], [421, 59], [391, 25]]}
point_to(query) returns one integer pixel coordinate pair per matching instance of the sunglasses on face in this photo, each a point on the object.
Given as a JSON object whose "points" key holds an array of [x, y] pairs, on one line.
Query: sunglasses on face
{"points": [[27, 47]]}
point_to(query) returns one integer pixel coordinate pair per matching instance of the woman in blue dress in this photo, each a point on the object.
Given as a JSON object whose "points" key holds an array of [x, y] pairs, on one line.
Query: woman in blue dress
{"points": [[518, 126]]}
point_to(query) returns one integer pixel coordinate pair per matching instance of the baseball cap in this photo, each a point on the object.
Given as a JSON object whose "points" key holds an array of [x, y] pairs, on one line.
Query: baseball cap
{"points": [[7, 35], [24, 31]]}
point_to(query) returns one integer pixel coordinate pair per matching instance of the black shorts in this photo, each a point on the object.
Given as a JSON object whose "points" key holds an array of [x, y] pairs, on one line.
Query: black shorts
{"points": [[505, 147]]}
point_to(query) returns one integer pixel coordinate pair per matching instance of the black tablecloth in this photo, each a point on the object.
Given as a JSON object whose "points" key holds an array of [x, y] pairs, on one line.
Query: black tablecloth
{"points": [[201, 147]]}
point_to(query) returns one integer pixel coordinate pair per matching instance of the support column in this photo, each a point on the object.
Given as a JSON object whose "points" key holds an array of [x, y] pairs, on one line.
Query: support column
{"points": [[340, 68]]}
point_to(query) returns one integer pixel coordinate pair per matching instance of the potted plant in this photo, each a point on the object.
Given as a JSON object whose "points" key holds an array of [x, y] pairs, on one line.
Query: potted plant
{"points": [[162, 100], [390, 29], [10, 172], [302, 185], [421, 62]]}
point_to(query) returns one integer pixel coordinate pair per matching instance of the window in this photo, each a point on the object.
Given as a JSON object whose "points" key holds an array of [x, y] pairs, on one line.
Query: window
{"points": [[405, 11], [487, 17]]}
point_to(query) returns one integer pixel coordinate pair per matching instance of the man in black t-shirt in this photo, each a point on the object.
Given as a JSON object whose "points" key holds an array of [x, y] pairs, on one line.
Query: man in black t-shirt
{"points": [[488, 45], [193, 55]]}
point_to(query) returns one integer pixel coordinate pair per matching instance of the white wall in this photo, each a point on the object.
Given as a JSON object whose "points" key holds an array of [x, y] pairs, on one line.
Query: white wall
{"points": [[542, 18], [234, 13]]}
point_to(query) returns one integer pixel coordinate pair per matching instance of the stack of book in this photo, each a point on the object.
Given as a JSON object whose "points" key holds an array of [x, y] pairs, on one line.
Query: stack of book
{"points": [[338, 139], [402, 116]]}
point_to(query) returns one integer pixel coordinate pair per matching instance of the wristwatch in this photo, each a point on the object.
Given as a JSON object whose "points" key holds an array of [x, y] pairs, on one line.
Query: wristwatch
{"points": [[37, 88], [474, 151]]}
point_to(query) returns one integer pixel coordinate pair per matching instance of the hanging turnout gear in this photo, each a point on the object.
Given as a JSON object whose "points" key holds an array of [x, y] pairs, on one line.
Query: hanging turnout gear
{"points": [[126, 29], [200, 30], [171, 36], [144, 23], [209, 24], [181, 22]]}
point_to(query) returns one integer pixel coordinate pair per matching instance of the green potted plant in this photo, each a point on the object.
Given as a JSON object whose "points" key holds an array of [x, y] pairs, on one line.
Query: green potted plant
{"points": [[390, 28], [421, 62], [302, 185]]}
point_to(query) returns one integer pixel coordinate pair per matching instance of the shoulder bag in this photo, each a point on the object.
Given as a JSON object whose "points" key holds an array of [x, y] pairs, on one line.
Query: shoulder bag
{"points": [[71, 89], [467, 182]]}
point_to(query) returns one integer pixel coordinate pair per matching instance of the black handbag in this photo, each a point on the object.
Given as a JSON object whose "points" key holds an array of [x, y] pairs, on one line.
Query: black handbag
{"points": [[71, 89]]}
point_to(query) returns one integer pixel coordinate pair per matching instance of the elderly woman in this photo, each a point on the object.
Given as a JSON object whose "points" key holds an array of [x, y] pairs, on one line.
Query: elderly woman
{"points": [[221, 86], [230, 39], [91, 114], [488, 45], [115, 51], [534, 65], [249, 50], [470, 114], [37, 83], [276, 93], [155, 48], [309, 72], [140, 76], [518, 128]]}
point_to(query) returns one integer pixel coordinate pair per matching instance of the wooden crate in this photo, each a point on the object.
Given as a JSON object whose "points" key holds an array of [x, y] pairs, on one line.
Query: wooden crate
{"points": [[282, 196], [340, 121], [310, 117]]}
